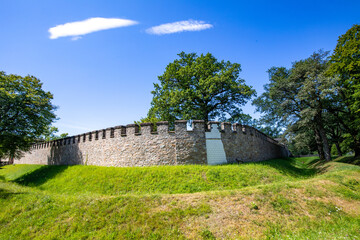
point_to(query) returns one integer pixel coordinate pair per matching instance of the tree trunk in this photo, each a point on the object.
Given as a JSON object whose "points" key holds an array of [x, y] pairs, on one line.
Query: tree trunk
{"points": [[338, 148], [326, 147], [319, 145], [325, 143], [357, 149]]}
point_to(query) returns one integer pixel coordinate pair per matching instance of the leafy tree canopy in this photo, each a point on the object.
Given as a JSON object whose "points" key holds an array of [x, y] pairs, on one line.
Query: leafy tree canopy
{"points": [[25, 110], [199, 87], [345, 64], [298, 97]]}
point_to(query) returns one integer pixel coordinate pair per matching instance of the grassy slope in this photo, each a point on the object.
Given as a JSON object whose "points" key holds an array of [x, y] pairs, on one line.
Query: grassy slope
{"points": [[295, 198], [154, 180]]}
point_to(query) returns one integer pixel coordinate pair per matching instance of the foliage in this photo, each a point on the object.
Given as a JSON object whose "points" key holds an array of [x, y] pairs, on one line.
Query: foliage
{"points": [[334, 151], [254, 206], [63, 135], [242, 118], [49, 134], [301, 143], [297, 99], [150, 118], [199, 87], [26, 111], [345, 64]]}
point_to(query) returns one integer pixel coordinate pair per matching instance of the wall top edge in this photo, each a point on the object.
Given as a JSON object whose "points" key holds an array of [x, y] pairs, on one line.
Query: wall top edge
{"points": [[180, 123]]}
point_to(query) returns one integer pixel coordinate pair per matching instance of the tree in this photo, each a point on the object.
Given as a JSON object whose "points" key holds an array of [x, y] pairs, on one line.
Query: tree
{"points": [[49, 134], [298, 98], [345, 64], [199, 87], [26, 111]]}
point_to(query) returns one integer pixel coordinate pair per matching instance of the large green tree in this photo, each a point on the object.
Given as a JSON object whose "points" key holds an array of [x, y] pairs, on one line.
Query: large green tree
{"points": [[345, 64], [26, 112], [298, 98], [199, 87]]}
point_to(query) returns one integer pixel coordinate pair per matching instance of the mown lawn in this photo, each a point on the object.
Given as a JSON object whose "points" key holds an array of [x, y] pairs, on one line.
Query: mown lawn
{"points": [[297, 198]]}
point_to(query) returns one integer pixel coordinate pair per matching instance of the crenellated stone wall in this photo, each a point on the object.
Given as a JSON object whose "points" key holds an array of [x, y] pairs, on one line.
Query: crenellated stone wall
{"points": [[130, 146]]}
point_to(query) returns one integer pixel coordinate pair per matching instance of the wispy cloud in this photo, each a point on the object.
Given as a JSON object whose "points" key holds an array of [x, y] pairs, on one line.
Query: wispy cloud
{"points": [[77, 29], [168, 28], [74, 126]]}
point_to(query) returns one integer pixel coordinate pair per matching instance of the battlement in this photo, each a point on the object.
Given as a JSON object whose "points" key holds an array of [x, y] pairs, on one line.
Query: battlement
{"points": [[162, 128], [148, 144]]}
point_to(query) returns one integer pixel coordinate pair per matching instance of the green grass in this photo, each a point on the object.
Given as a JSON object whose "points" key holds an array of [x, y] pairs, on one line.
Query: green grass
{"points": [[13, 172], [155, 180], [298, 198]]}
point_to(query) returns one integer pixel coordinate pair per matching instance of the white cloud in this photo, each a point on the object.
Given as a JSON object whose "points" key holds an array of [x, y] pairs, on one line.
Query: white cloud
{"points": [[72, 126], [75, 38], [168, 28], [77, 29]]}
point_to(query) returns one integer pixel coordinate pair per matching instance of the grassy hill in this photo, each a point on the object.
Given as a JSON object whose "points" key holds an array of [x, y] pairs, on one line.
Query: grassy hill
{"points": [[294, 198]]}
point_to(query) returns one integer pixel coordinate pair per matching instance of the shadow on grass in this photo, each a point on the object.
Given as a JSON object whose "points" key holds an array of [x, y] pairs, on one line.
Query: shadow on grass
{"points": [[349, 160], [293, 167], [40, 175], [4, 194]]}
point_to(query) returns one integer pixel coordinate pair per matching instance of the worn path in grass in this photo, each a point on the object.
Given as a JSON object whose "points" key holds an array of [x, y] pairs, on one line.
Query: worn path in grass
{"points": [[281, 199]]}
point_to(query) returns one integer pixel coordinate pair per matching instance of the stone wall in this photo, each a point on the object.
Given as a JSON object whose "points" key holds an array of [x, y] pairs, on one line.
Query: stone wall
{"points": [[130, 146]]}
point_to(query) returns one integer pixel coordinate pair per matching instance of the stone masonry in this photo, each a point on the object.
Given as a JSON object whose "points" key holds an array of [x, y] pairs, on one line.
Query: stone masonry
{"points": [[129, 146]]}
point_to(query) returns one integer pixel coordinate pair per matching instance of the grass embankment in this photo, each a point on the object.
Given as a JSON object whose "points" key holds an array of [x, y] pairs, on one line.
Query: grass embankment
{"points": [[293, 198]]}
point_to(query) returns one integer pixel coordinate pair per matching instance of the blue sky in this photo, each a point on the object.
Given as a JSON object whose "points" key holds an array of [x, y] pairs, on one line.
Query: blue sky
{"points": [[104, 78]]}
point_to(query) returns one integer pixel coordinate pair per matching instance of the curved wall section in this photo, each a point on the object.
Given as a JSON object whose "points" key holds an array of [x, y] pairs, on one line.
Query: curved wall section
{"points": [[133, 146]]}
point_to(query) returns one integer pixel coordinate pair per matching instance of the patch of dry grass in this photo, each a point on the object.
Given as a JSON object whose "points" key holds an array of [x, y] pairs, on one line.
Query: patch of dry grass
{"points": [[306, 200], [232, 215]]}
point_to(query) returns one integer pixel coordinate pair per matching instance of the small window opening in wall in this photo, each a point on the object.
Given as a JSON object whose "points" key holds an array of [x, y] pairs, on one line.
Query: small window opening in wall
{"points": [[78, 139], [84, 137], [96, 135], [90, 136], [112, 132], [73, 138], [104, 134], [189, 125]]}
